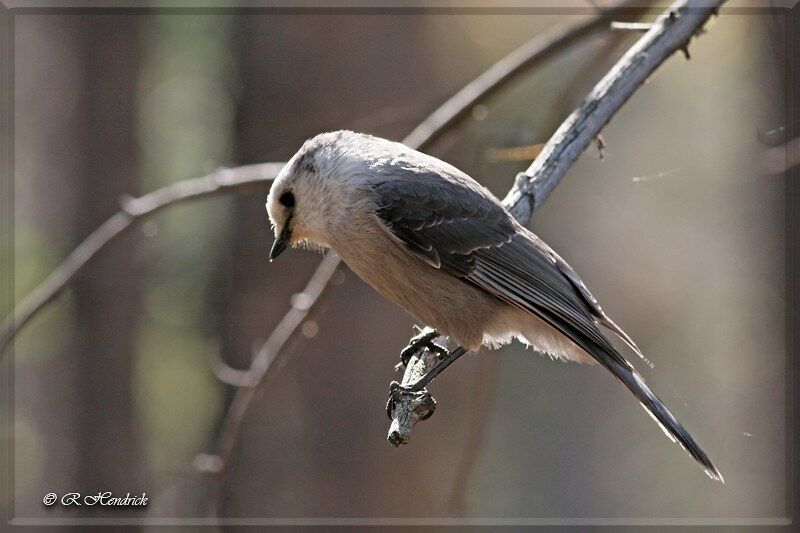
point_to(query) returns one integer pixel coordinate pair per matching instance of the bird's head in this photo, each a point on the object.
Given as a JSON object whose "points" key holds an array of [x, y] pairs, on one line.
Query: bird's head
{"points": [[319, 190]]}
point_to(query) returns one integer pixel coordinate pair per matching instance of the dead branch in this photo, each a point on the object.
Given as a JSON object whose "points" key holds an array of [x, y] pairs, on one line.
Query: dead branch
{"points": [[671, 32], [132, 212], [410, 408], [530, 55]]}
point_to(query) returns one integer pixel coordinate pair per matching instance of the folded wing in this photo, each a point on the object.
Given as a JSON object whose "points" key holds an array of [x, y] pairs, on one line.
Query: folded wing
{"points": [[454, 224]]}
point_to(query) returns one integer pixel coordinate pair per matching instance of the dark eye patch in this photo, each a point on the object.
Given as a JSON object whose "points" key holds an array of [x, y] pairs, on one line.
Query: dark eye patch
{"points": [[286, 199], [308, 166]]}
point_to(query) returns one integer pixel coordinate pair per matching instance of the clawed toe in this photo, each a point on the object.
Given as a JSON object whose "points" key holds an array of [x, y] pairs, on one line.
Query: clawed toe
{"points": [[396, 390], [423, 340]]}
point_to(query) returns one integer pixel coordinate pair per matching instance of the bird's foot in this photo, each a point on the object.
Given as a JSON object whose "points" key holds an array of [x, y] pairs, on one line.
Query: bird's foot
{"points": [[422, 402], [423, 339]]}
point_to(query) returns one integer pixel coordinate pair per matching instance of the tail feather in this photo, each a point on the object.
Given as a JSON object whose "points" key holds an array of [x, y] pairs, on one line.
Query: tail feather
{"points": [[619, 332], [656, 408]]}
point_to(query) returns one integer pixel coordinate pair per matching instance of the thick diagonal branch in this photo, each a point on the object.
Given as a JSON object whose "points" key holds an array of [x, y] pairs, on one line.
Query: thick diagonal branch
{"points": [[671, 32]]}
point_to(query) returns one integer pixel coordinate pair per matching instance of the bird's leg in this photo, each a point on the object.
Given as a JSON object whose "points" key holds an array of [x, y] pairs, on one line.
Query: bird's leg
{"points": [[443, 363], [424, 339]]}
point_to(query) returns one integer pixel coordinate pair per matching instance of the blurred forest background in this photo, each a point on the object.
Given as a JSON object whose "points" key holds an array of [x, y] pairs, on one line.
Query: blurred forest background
{"points": [[678, 232]]}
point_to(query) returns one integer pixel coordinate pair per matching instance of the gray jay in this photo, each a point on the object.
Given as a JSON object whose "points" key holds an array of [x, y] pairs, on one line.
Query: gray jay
{"points": [[431, 239]]}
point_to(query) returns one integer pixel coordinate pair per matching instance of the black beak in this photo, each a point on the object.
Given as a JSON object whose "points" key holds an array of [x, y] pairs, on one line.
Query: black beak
{"points": [[282, 241]]}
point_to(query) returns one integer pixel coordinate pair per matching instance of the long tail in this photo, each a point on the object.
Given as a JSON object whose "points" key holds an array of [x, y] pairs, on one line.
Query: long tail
{"points": [[656, 408]]}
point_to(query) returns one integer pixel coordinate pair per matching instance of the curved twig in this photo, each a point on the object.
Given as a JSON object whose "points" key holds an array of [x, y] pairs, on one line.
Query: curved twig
{"points": [[530, 55], [268, 355], [132, 212]]}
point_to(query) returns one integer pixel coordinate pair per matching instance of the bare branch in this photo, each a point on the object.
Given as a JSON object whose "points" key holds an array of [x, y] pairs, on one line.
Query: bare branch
{"points": [[270, 354], [227, 374], [133, 211], [410, 408], [530, 55], [669, 33]]}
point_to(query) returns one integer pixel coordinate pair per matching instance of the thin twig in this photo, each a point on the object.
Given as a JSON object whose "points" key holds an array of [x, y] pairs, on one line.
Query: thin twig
{"points": [[530, 55], [227, 374], [270, 352], [670, 32], [132, 212]]}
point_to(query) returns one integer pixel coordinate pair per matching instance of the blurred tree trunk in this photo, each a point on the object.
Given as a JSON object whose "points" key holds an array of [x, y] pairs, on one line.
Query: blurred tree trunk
{"points": [[107, 301], [75, 155]]}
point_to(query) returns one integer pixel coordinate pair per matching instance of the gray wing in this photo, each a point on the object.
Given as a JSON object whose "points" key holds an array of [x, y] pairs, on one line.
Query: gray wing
{"points": [[444, 221], [454, 224]]}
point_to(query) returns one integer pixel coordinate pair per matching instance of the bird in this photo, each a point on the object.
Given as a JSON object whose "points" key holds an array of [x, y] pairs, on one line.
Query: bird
{"points": [[433, 240]]}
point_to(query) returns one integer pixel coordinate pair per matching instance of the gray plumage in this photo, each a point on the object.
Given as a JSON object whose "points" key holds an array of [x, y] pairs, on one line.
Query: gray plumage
{"points": [[434, 241]]}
